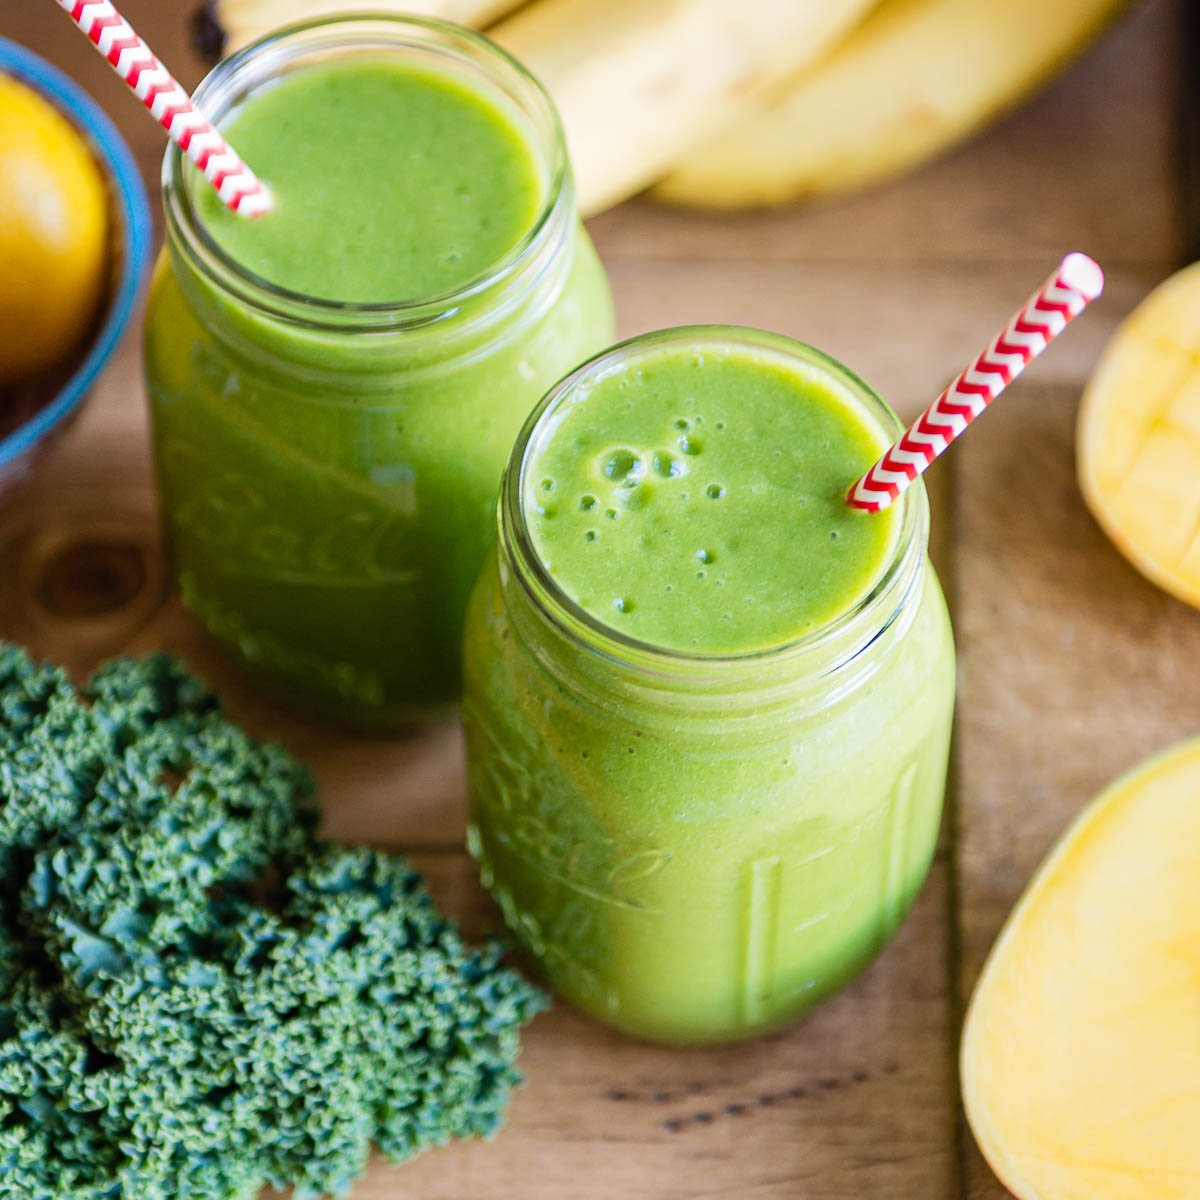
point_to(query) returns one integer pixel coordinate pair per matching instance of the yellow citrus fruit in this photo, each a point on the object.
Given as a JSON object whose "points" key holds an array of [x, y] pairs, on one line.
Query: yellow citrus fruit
{"points": [[1139, 437], [1081, 1051], [53, 233]]}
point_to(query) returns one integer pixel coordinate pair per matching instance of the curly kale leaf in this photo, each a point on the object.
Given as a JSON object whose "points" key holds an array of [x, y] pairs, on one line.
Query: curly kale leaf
{"points": [[199, 996]]}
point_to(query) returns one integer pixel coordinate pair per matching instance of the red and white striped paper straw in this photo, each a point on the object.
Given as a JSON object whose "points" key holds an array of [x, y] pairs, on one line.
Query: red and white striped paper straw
{"points": [[239, 188], [1076, 283]]}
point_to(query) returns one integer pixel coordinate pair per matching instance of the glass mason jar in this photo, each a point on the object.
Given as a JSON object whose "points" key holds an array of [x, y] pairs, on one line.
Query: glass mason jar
{"points": [[328, 471], [699, 848]]}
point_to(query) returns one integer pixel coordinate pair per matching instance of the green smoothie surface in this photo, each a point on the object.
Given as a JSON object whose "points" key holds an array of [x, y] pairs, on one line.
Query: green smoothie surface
{"points": [[694, 499], [392, 182]]}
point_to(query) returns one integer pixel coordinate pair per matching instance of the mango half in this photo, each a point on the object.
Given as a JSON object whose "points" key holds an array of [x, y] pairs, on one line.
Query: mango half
{"points": [[1081, 1054]]}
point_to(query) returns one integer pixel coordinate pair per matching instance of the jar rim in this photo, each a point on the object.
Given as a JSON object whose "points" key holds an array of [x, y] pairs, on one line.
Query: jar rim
{"points": [[364, 31], [852, 630]]}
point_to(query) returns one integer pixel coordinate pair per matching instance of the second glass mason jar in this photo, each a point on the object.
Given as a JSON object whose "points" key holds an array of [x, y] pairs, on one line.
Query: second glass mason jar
{"points": [[328, 469], [699, 847]]}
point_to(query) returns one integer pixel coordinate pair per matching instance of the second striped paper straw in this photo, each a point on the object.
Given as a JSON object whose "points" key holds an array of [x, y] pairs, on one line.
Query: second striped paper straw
{"points": [[239, 188], [1073, 286]]}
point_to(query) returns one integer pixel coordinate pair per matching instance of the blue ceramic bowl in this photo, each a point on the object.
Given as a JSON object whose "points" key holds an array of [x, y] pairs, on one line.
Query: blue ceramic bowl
{"points": [[131, 239]]}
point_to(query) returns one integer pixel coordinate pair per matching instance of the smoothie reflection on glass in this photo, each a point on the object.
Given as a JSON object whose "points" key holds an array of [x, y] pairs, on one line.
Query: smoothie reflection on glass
{"points": [[335, 386], [708, 705]]}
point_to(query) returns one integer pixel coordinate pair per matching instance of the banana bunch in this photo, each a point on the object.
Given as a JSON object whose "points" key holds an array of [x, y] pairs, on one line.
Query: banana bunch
{"points": [[729, 104], [241, 21]]}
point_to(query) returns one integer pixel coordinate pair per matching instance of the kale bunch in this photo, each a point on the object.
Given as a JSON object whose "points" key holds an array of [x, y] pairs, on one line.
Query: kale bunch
{"points": [[199, 996]]}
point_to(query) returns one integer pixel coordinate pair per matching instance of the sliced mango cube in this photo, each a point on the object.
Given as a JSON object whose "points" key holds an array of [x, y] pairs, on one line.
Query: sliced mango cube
{"points": [[1139, 437]]}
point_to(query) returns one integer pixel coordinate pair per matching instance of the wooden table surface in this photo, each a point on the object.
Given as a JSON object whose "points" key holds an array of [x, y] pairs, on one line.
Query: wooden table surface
{"points": [[1071, 666]]}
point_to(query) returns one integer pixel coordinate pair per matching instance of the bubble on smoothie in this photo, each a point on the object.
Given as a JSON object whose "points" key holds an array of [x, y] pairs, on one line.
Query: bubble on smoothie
{"points": [[611, 513], [590, 536], [667, 465], [623, 604], [706, 556], [682, 423], [548, 485], [689, 445], [636, 497], [714, 491], [623, 467], [587, 503]]}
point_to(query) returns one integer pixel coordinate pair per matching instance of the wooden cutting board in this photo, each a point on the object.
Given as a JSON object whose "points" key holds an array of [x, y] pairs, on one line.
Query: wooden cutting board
{"points": [[1072, 667]]}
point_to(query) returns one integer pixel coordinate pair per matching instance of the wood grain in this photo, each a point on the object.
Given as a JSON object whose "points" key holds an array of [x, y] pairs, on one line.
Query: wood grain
{"points": [[1075, 667], [1072, 667]]}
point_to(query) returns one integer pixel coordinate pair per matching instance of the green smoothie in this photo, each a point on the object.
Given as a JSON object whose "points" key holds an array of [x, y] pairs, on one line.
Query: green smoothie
{"points": [[697, 501], [707, 705], [390, 181], [335, 386]]}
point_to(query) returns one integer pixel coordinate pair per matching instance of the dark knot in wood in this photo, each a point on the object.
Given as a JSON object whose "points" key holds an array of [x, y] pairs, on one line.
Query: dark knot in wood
{"points": [[90, 578]]}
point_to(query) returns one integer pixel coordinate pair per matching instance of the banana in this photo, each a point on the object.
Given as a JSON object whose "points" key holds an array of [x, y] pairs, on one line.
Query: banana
{"points": [[241, 21], [640, 82], [913, 79]]}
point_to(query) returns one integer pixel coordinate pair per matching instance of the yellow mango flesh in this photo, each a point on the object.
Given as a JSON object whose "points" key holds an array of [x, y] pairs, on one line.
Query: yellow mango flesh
{"points": [[1139, 437], [1081, 1054]]}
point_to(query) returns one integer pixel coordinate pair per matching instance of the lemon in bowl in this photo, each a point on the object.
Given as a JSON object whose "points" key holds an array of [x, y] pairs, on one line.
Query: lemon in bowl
{"points": [[75, 244], [53, 233]]}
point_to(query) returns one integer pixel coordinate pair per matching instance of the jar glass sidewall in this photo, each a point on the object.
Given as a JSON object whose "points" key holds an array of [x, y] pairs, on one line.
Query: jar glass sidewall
{"points": [[703, 877], [328, 473]]}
